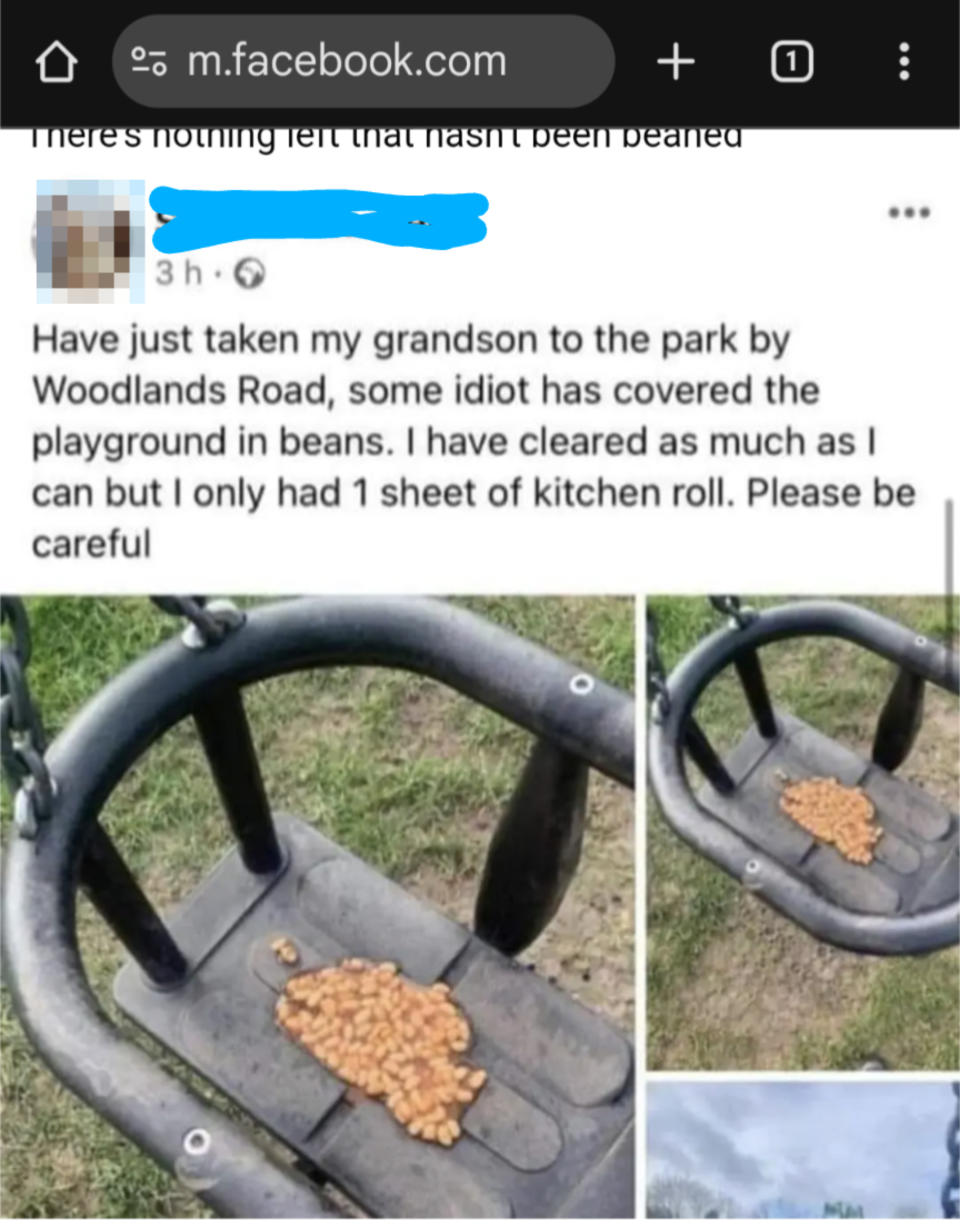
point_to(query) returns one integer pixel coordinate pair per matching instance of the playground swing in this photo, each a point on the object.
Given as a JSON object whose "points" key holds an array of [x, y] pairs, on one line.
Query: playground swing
{"points": [[905, 899], [550, 1134]]}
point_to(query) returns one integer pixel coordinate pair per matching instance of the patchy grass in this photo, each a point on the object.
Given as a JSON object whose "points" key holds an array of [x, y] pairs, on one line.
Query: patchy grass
{"points": [[733, 985], [403, 772]]}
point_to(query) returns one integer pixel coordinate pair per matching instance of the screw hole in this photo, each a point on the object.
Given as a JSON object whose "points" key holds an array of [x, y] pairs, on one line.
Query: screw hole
{"points": [[196, 1142], [581, 684]]}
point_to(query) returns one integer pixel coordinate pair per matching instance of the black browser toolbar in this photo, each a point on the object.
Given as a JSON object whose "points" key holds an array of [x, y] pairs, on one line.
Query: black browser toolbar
{"points": [[812, 64]]}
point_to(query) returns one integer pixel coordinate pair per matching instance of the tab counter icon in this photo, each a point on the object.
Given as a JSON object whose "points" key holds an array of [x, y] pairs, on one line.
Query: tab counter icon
{"points": [[791, 61], [56, 64]]}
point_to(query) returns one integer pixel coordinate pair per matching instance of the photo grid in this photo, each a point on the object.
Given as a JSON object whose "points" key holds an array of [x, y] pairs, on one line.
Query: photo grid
{"points": [[801, 879], [445, 920]]}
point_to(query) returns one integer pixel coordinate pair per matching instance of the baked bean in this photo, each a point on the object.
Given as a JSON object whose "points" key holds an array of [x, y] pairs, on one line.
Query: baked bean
{"points": [[390, 1038]]}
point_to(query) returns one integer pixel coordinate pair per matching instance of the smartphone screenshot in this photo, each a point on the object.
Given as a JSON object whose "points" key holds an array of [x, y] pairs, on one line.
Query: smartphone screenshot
{"points": [[479, 720]]}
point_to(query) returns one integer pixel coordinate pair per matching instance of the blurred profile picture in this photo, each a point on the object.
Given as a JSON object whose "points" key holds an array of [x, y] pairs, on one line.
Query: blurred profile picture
{"points": [[90, 240]]}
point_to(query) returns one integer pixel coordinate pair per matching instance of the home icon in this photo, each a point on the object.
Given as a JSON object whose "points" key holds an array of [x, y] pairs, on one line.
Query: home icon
{"points": [[56, 64]]}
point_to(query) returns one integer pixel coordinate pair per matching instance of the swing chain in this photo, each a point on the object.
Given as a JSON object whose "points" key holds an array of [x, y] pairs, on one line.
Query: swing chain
{"points": [[656, 674], [742, 615], [950, 1196], [210, 621], [23, 741]]}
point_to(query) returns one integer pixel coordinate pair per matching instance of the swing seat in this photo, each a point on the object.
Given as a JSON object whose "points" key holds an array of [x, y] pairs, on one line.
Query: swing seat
{"points": [[550, 1134], [907, 900], [551, 1131], [916, 864]]}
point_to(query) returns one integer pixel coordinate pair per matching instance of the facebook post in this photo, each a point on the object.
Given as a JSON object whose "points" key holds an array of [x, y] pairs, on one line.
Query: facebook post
{"points": [[376, 385]]}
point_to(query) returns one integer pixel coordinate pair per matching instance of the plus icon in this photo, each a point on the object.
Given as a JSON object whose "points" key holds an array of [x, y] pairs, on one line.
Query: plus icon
{"points": [[675, 61]]}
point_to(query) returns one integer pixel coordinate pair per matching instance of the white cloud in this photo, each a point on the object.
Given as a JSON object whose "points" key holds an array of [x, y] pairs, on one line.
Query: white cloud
{"points": [[880, 1145]]}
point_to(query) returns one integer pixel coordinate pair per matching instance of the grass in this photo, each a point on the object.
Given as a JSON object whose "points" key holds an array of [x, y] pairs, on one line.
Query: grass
{"points": [[730, 984], [401, 771]]}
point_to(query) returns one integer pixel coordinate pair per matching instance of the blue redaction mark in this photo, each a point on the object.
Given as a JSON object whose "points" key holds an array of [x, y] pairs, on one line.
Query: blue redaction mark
{"points": [[204, 219]]}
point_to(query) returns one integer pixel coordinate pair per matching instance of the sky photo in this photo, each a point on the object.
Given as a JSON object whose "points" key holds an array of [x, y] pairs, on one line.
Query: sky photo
{"points": [[787, 1149]]}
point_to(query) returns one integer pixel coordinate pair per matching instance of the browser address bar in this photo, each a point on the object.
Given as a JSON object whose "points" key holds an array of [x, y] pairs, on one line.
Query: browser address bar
{"points": [[363, 60]]}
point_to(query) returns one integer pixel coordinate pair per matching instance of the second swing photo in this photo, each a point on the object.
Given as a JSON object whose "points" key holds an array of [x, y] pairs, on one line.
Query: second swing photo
{"points": [[803, 891]]}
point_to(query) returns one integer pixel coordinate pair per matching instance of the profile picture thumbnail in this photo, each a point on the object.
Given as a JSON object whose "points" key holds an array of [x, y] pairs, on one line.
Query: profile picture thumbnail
{"points": [[90, 240]]}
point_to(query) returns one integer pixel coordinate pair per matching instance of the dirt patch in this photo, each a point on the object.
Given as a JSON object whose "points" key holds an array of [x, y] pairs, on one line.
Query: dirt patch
{"points": [[588, 948], [932, 763], [72, 1182], [423, 723], [763, 983], [319, 712]]}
